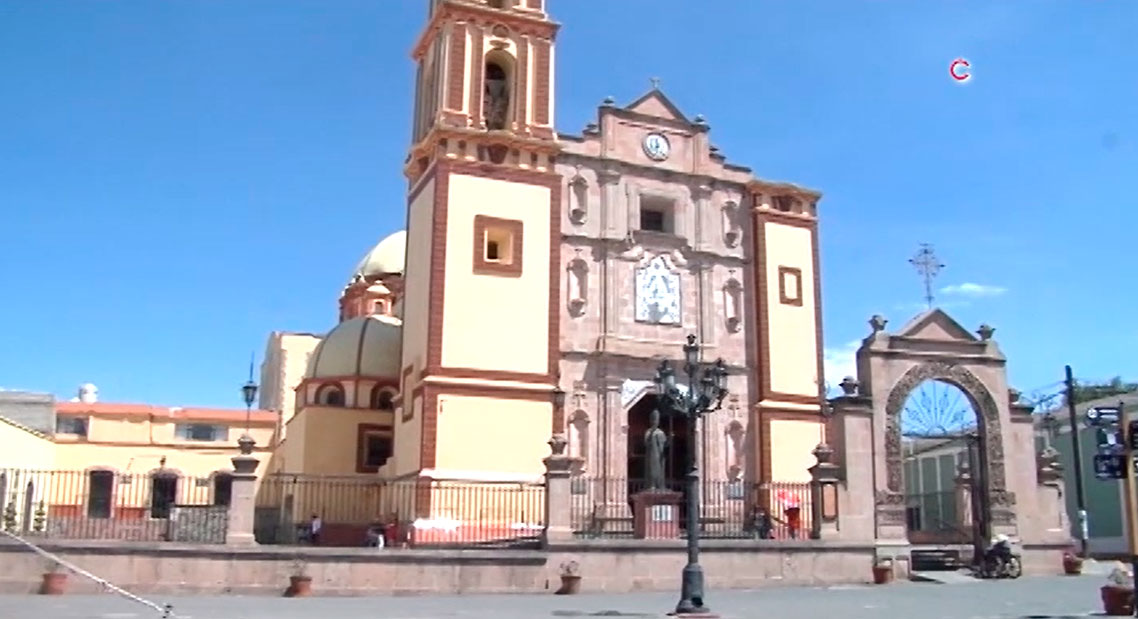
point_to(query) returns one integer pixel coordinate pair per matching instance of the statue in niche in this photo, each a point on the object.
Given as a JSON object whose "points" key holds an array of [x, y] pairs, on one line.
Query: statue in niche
{"points": [[496, 98], [655, 442]]}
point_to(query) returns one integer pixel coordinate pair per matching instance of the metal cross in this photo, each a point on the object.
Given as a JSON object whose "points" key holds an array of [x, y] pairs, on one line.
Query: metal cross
{"points": [[655, 83], [928, 266]]}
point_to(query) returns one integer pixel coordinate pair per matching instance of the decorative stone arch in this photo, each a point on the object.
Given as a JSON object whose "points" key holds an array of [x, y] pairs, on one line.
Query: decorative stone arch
{"points": [[933, 346]]}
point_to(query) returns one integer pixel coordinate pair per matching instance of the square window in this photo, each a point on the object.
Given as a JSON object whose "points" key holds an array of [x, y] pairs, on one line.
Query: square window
{"points": [[657, 214], [790, 286], [374, 447], [497, 246]]}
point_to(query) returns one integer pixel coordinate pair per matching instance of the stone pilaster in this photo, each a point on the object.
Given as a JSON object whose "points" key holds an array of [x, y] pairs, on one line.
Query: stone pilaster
{"points": [[852, 429], [558, 497], [243, 495], [824, 494]]}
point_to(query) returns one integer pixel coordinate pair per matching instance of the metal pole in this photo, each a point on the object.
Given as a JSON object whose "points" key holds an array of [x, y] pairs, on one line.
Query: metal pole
{"points": [[1131, 501], [1077, 456], [691, 587]]}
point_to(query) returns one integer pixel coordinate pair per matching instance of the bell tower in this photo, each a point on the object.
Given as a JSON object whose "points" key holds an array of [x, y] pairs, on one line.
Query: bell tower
{"points": [[481, 287]]}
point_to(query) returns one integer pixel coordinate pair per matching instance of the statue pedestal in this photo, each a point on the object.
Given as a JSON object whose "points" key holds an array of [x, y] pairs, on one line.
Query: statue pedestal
{"points": [[656, 514]]}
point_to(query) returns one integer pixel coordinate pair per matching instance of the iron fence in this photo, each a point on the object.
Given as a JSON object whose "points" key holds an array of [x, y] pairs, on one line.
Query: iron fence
{"points": [[372, 511], [603, 507], [104, 504]]}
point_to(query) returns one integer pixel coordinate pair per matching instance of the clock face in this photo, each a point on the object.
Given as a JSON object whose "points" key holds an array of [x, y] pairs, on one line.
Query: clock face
{"points": [[657, 294], [656, 146]]}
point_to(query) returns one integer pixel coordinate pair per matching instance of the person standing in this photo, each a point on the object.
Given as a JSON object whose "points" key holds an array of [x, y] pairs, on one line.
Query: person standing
{"points": [[314, 527]]}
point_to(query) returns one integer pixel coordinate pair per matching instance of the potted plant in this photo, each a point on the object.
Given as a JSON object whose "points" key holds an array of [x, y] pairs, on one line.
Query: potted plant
{"points": [[1118, 593], [1072, 562], [883, 571], [54, 579], [299, 583], [570, 578]]}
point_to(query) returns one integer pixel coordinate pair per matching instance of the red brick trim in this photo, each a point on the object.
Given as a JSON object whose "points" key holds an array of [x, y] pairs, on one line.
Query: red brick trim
{"points": [[792, 296], [512, 265], [456, 66], [542, 87], [521, 82]]}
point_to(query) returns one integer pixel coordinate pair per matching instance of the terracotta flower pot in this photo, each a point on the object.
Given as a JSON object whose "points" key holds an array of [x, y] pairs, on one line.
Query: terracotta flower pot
{"points": [[882, 574], [1117, 601], [299, 586], [570, 584], [54, 583], [1072, 566]]}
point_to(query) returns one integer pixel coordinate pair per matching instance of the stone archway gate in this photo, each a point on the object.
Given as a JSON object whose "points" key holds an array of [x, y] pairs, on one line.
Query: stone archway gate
{"points": [[1020, 500]]}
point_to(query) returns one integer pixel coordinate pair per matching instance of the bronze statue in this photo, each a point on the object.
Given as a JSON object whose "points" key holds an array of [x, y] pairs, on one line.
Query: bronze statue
{"points": [[655, 441], [496, 100]]}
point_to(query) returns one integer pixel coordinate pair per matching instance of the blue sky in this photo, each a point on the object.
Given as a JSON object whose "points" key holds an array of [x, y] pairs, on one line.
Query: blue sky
{"points": [[179, 178]]}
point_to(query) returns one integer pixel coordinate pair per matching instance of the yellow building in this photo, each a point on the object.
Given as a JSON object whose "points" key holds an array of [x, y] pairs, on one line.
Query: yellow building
{"points": [[536, 262], [103, 463]]}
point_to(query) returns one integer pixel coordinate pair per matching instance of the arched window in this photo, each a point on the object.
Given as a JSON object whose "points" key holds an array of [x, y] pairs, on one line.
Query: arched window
{"points": [[497, 91], [330, 394], [100, 491], [382, 398]]}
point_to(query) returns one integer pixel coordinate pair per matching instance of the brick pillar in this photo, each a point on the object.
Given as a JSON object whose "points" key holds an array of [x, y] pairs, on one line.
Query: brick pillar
{"points": [[558, 468], [824, 494], [243, 496]]}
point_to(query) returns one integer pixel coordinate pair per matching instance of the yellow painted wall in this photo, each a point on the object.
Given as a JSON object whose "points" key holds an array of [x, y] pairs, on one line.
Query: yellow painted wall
{"points": [[22, 449], [792, 442], [416, 301], [793, 337], [480, 308], [331, 438], [493, 435], [408, 439]]}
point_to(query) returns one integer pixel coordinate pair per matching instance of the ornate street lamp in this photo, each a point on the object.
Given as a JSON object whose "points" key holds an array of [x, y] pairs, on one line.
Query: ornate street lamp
{"points": [[249, 393], [706, 388]]}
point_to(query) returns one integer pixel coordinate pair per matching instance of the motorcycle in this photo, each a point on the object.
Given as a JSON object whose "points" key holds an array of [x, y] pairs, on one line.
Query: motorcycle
{"points": [[1000, 561]]}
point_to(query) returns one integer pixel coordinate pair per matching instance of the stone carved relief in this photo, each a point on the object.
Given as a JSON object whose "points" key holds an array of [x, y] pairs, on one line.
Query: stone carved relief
{"points": [[578, 198], [732, 230], [988, 417], [578, 282], [733, 303]]}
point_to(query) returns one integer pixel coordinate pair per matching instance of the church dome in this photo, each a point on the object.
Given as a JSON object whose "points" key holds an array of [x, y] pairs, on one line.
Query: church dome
{"points": [[364, 346], [385, 258]]}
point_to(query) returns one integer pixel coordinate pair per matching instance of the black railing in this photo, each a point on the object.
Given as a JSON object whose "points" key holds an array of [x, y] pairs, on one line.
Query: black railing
{"points": [[105, 504], [362, 511], [602, 508]]}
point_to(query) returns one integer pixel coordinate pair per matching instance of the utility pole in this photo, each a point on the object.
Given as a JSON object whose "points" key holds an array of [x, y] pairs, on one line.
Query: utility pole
{"points": [[1077, 456]]}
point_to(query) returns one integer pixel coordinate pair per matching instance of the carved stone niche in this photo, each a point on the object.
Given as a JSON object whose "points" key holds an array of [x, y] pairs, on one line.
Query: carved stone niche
{"points": [[733, 303], [578, 198], [732, 230], [577, 280]]}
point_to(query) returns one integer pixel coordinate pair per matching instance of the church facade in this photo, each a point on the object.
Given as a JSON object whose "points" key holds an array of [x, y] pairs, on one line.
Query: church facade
{"points": [[537, 261]]}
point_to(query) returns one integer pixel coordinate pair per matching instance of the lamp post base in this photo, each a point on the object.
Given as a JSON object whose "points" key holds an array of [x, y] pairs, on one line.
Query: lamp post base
{"points": [[691, 593]]}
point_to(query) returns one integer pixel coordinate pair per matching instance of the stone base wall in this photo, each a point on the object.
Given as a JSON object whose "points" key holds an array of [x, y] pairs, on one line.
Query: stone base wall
{"points": [[166, 568], [610, 566]]}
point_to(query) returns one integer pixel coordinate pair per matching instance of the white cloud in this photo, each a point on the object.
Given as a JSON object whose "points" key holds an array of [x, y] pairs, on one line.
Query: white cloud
{"points": [[839, 363], [969, 289]]}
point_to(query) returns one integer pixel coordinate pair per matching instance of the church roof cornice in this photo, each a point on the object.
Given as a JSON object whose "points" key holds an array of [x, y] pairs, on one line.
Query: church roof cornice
{"points": [[518, 21]]}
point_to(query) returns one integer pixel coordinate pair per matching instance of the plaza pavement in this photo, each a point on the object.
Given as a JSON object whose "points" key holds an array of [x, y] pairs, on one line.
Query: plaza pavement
{"points": [[1027, 598]]}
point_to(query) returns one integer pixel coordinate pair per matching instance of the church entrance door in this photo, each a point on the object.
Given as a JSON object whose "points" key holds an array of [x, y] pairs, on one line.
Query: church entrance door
{"points": [[675, 426]]}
